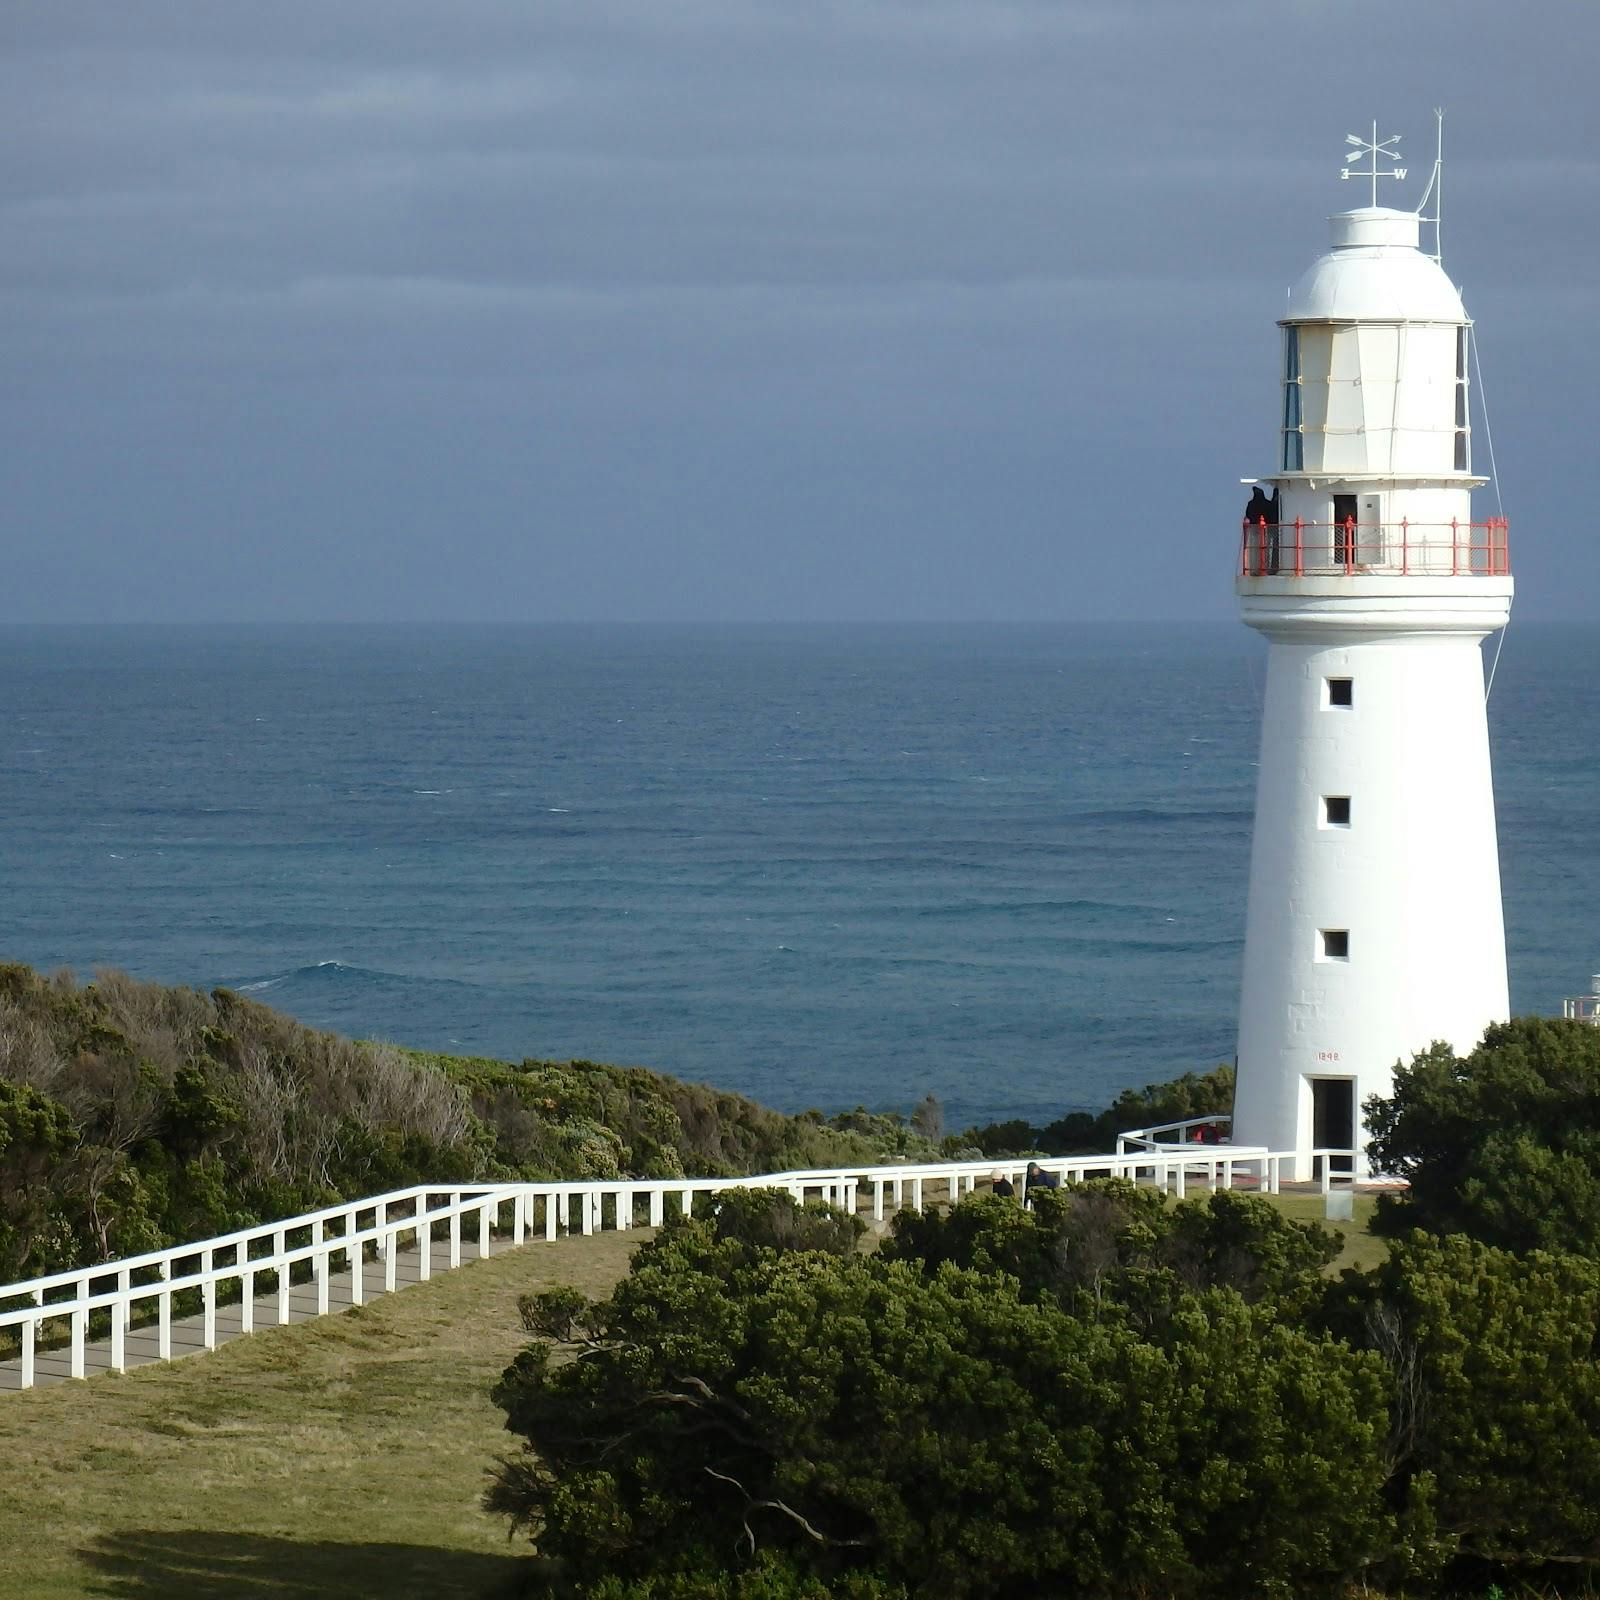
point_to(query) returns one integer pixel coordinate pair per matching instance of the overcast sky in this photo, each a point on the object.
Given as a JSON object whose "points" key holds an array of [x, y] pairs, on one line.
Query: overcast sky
{"points": [[735, 309]]}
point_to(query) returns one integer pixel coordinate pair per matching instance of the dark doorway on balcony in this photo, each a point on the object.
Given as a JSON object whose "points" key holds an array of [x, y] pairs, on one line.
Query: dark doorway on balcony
{"points": [[1333, 1119], [1344, 533]]}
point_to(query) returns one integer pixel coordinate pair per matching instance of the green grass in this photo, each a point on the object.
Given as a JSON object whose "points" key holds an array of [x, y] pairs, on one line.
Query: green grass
{"points": [[340, 1457], [1361, 1249]]}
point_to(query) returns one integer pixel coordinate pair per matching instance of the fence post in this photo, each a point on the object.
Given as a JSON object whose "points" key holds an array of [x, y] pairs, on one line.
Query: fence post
{"points": [[80, 1327], [319, 1268], [164, 1313], [552, 1217], [519, 1217], [120, 1317], [208, 1300], [247, 1301], [424, 1239], [916, 1194], [455, 1229], [877, 1199], [391, 1250], [658, 1198], [27, 1330], [483, 1227], [589, 1204]]}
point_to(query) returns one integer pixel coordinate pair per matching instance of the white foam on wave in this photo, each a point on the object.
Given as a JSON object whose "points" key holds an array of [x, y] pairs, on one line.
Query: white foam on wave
{"points": [[256, 988]]}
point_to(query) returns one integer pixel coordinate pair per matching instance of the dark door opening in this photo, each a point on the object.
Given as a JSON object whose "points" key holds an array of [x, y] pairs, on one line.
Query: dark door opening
{"points": [[1333, 1119], [1345, 511]]}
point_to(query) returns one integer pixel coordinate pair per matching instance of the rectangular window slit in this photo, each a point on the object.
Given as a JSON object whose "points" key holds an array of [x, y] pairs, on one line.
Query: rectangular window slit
{"points": [[1336, 810], [1335, 944], [1341, 691]]}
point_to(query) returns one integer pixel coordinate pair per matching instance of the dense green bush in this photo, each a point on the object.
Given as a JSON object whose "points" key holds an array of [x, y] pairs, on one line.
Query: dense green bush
{"points": [[1495, 1386], [1502, 1144], [768, 1579], [935, 1425], [1204, 1094], [1107, 1395], [1108, 1247]]}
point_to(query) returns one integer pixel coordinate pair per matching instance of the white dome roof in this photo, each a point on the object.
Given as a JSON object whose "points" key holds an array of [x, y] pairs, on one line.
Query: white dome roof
{"points": [[1375, 273]]}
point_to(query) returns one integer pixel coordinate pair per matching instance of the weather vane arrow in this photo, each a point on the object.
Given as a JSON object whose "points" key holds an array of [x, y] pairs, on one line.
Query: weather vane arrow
{"points": [[1375, 150]]}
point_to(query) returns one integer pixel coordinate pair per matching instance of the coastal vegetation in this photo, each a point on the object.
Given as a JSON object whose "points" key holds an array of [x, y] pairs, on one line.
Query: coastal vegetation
{"points": [[1108, 1393], [1502, 1144], [134, 1116], [1195, 1094], [1105, 1395]]}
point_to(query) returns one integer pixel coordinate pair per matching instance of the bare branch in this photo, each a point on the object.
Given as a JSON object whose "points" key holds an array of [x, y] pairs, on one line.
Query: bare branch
{"points": [[752, 1504]]}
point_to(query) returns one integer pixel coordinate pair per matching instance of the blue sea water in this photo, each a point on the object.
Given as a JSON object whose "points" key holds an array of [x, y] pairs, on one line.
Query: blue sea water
{"points": [[823, 866]]}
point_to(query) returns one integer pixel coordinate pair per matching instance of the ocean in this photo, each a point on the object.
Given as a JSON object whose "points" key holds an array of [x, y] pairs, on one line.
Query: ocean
{"points": [[823, 866]]}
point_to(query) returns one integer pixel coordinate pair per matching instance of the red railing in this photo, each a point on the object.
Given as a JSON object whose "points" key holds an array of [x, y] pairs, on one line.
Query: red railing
{"points": [[1354, 549]]}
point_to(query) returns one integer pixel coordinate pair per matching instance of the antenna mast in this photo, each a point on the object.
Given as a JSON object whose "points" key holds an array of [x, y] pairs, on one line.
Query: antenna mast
{"points": [[1435, 190]]}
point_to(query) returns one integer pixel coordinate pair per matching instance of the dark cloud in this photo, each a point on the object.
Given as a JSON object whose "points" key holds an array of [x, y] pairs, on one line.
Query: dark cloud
{"points": [[720, 309]]}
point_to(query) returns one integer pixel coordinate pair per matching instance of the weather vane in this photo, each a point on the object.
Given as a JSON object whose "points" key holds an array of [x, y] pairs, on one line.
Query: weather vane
{"points": [[1379, 150]]}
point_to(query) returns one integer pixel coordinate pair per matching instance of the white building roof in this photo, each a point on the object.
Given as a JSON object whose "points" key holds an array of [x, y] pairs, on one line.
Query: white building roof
{"points": [[1375, 273]]}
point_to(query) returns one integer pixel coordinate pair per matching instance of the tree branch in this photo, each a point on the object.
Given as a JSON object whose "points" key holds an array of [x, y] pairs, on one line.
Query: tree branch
{"points": [[752, 1504]]}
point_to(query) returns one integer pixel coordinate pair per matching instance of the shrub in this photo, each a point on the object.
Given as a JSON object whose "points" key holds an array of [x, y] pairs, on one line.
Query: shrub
{"points": [[1495, 1436], [1108, 1246], [847, 1414], [1502, 1144]]}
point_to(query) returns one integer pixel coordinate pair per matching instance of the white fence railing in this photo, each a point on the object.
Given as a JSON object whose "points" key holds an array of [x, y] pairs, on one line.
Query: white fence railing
{"points": [[129, 1289], [1166, 1134]]}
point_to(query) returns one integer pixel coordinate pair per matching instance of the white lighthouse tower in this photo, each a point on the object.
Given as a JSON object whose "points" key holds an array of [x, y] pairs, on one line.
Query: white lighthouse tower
{"points": [[1374, 924]]}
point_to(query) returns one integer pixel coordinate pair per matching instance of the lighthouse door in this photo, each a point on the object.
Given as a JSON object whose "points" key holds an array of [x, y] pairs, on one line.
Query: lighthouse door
{"points": [[1333, 1119], [1344, 530], [1370, 541]]}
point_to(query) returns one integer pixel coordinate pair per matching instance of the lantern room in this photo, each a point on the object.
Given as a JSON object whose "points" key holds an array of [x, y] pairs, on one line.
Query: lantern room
{"points": [[1375, 358]]}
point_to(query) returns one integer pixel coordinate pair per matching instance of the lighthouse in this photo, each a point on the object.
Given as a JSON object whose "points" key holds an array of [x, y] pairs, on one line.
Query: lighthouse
{"points": [[1374, 925]]}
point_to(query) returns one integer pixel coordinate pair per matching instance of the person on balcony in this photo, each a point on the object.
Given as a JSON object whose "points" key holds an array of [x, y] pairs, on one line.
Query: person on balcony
{"points": [[1260, 508]]}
